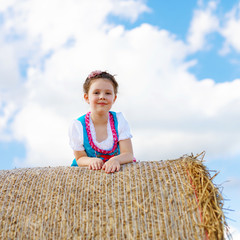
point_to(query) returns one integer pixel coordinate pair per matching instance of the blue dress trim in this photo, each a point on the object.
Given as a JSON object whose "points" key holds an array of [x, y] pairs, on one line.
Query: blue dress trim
{"points": [[88, 149]]}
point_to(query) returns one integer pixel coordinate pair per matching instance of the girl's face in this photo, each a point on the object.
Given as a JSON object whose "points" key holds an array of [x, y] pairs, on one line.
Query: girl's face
{"points": [[100, 96]]}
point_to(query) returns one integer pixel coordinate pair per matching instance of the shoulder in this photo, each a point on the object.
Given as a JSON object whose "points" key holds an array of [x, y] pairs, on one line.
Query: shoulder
{"points": [[76, 135], [75, 125], [82, 118], [120, 117], [121, 121], [123, 127]]}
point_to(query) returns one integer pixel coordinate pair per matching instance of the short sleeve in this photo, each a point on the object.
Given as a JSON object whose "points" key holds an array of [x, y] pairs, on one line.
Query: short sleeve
{"points": [[123, 127], [75, 133]]}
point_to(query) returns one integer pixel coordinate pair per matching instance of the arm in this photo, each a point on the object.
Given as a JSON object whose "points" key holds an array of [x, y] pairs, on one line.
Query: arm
{"points": [[125, 156], [83, 160], [126, 152], [76, 142]]}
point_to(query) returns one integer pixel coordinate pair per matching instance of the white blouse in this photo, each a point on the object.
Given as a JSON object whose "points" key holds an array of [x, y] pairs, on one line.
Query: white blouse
{"points": [[76, 134]]}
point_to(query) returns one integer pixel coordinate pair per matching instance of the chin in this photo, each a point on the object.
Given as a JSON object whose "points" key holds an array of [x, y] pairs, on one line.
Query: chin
{"points": [[102, 111]]}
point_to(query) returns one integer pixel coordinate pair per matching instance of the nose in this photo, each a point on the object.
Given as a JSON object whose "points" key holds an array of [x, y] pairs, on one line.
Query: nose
{"points": [[101, 96]]}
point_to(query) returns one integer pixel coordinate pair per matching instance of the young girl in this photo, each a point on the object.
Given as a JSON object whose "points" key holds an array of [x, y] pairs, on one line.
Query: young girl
{"points": [[101, 139]]}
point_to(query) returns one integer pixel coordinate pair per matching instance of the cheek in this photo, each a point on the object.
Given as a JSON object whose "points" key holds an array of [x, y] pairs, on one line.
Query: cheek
{"points": [[109, 97], [93, 97]]}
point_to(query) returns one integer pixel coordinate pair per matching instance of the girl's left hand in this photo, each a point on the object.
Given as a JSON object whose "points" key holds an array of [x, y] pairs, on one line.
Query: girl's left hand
{"points": [[111, 166]]}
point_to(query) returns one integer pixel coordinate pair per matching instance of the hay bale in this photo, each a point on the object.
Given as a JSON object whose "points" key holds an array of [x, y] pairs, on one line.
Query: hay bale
{"points": [[172, 199]]}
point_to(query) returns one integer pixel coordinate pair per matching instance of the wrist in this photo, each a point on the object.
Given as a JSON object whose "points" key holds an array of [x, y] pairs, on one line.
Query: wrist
{"points": [[115, 158], [124, 158], [119, 159]]}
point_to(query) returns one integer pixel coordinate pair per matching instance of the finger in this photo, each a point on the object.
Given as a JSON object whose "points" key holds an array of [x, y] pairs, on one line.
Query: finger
{"points": [[96, 166], [109, 169], [118, 168], [104, 166], [114, 168]]}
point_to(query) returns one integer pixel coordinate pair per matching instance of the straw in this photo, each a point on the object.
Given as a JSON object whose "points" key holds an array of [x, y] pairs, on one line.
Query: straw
{"points": [[173, 199]]}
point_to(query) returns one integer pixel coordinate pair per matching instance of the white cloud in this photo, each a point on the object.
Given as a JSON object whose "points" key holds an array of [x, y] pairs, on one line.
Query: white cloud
{"points": [[8, 68], [235, 233], [6, 4], [45, 135], [129, 9], [203, 23], [159, 97], [231, 30], [11, 86], [7, 111]]}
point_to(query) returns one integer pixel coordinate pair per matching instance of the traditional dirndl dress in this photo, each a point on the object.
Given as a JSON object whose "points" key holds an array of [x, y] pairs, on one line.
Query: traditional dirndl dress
{"points": [[91, 149]]}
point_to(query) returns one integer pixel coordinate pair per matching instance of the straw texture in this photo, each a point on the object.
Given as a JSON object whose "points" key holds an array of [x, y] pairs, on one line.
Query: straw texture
{"points": [[173, 199]]}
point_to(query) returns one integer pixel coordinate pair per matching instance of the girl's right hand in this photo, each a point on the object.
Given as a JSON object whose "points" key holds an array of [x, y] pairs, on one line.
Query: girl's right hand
{"points": [[96, 164]]}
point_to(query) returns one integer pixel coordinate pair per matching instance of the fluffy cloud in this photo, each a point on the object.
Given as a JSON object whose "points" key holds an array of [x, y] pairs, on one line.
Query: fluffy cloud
{"points": [[204, 22], [169, 110], [230, 30], [235, 233], [41, 129], [129, 9]]}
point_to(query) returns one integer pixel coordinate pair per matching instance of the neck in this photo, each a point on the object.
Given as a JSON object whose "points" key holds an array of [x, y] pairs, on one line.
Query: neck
{"points": [[99, 118]]}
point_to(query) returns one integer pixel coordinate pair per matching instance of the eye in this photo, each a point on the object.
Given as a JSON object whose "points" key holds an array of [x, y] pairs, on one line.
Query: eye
{"points": [[96, 92], [109, 93]]}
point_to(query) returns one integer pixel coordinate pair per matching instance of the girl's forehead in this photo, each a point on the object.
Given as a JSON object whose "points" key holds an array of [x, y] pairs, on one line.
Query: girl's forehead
{"points": [[101, 83]]}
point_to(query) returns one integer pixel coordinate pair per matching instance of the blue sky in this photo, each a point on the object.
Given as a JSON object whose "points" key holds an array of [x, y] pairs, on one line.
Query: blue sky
{"points": [[175, 16], [186, 69]]}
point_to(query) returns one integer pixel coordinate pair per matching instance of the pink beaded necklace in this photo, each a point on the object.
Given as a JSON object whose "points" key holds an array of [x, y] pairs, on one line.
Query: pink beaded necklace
{"points": [[114, 132]]}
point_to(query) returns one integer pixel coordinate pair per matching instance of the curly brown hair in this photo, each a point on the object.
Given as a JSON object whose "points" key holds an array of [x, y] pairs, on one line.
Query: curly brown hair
{"points": [[99, 74]]}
